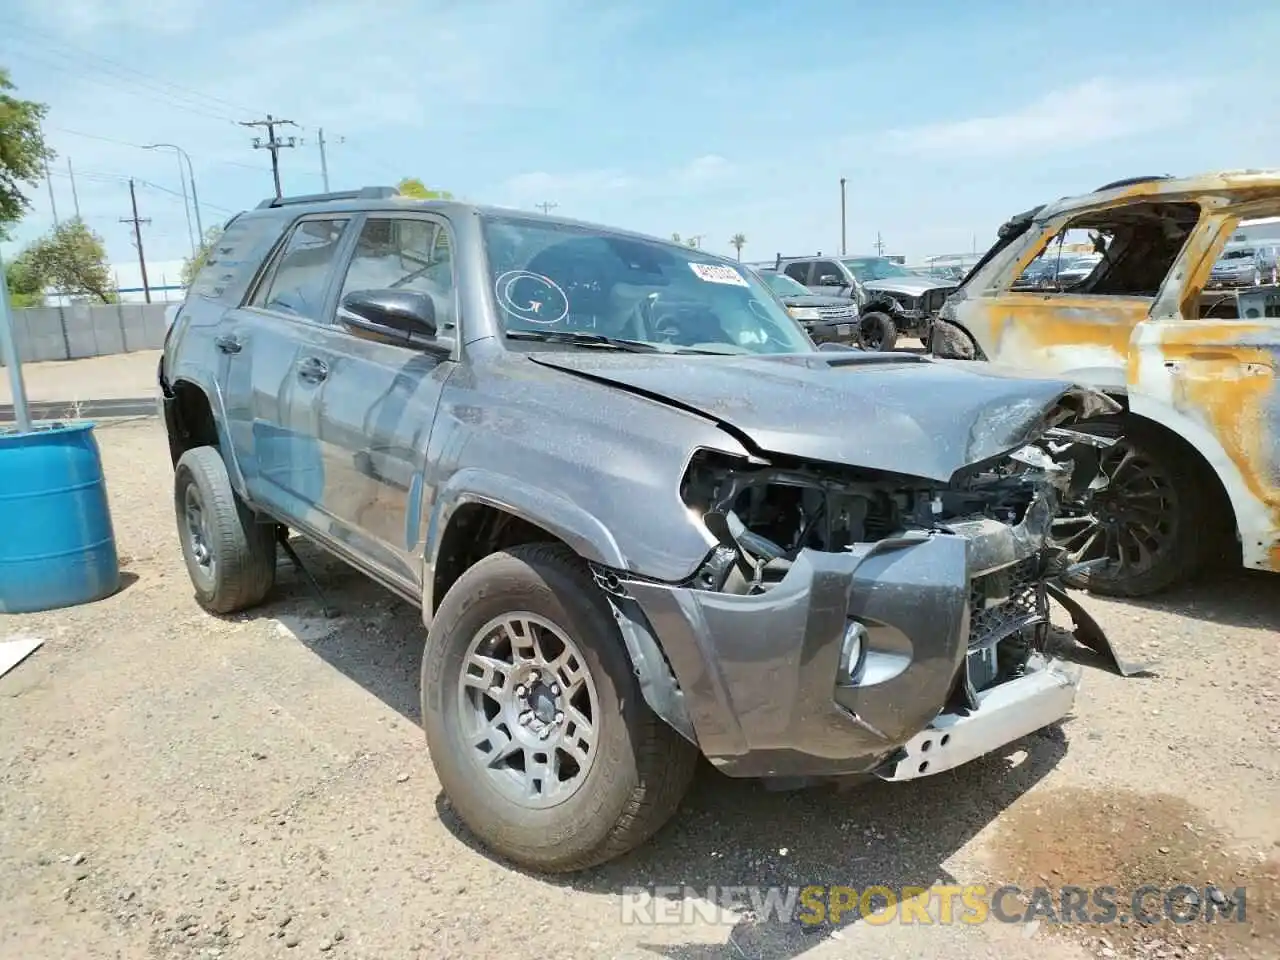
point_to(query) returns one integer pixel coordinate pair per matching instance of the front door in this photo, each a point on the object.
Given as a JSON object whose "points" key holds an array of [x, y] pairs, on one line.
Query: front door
{"points": [[378, 401], [268, 400]]}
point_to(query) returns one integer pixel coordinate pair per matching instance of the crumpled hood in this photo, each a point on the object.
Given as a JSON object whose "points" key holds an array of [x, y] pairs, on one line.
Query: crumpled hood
{"points": [[912, 286], [897, 413]]}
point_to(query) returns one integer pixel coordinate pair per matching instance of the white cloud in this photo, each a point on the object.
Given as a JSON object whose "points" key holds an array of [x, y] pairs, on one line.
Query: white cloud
{"points": [[592, 187], [1092, 112], [84, 18]]}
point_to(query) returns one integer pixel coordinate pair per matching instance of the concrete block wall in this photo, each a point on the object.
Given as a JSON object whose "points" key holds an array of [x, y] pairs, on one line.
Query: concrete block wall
{"points": [[87, 330]]}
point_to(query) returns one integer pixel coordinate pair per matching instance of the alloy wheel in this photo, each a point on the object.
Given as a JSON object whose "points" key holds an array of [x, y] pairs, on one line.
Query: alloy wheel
{"points": [[529, 709]]}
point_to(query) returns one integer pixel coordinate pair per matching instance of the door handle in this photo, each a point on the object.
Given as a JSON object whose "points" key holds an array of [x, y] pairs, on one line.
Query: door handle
{"points": [[228, 344], [312, 370]]}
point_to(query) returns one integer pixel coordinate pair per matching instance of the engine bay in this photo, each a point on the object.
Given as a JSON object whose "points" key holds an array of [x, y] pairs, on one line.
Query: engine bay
{"points": [[764, 514]]}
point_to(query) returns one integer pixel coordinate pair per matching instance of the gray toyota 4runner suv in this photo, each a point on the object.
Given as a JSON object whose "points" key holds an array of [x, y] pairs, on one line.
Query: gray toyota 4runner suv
{"points": [[644, 517]]}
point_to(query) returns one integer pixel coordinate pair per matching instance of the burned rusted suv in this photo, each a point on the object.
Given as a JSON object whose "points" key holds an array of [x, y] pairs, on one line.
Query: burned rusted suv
{"points": [[1197, 471]]}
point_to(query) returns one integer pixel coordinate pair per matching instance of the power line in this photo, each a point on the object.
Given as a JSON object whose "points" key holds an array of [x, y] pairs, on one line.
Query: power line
{"points": [[272, 144], [123, 71], [547, 206]]}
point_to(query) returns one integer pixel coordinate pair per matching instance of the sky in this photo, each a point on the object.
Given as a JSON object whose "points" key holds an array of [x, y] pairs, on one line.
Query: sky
{"points": [[705, 118]]}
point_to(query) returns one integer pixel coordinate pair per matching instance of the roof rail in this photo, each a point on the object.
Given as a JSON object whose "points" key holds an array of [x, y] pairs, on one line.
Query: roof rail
{"points": [[1130, 181], [364, 193]]}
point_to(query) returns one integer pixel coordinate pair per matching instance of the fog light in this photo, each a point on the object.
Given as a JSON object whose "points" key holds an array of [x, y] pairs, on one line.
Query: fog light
{"points": [[851, 647]]}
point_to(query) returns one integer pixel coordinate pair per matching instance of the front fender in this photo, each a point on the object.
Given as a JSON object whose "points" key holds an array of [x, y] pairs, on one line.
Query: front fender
{"points": [[585, 534], [588, 537]]}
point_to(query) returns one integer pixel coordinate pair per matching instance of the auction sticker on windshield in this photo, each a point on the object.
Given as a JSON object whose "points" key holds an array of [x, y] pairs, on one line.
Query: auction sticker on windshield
{"points": [[717, 273]]}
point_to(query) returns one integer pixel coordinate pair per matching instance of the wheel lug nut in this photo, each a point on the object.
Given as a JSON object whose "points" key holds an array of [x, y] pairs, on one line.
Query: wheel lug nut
{"points": [[522, 691], [555, 689], [559, 716], [526, 718], [534, 676]]}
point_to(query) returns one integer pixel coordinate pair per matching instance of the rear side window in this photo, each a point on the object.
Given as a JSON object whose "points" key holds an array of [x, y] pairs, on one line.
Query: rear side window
{"points": [[234, 258], [298, 279]]}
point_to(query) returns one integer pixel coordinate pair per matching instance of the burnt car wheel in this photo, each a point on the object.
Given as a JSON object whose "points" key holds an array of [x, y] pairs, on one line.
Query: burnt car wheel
{"points": [[1142, 524], [534, 718], [877, 331], [230, 556]]}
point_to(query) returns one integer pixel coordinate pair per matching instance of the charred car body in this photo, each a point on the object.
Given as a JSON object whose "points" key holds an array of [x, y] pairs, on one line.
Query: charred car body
{"points": [[1195, 474], [590, 458], [892, 300]]}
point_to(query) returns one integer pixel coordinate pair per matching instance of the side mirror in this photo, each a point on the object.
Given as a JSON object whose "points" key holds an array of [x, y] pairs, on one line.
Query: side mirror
{"points": [[830, 280], [402, 318]]}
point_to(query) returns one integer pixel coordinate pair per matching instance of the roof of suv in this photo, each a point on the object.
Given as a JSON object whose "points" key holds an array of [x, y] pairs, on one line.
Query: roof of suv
{"points": [[387, 199]]}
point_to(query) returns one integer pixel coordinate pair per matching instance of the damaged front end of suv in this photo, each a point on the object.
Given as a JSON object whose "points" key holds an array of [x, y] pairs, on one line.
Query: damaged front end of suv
{"points": [[857, 621]]}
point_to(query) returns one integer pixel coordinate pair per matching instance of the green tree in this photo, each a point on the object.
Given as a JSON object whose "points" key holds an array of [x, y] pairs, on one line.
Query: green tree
{"points": [[413, 187], [738, 241], [26, 288], [71, 259], [193, 265], [22, 151]]}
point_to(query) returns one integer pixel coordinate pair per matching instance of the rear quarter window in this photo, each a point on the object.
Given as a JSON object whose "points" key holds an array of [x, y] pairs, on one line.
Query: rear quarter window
{"points": [[235, 258]]}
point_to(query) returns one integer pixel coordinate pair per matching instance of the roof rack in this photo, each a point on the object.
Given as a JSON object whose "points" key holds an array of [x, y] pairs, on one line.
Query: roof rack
{"points": [[804, 256], [364, 193]]}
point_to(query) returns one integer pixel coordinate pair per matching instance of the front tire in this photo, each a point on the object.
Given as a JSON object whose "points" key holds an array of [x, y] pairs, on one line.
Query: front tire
{"points": [[534, 718], [877, 331], [230, 556], [1145, 523]]}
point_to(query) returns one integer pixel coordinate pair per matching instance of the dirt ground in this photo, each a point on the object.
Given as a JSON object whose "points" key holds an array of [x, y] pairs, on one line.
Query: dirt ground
{"points": [[174, 785], [119, 376]]}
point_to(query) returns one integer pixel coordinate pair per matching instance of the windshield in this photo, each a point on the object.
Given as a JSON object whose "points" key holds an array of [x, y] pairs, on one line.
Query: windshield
{"points": [[876, 268], [1245, 254], [784, 286], [562, 279]]}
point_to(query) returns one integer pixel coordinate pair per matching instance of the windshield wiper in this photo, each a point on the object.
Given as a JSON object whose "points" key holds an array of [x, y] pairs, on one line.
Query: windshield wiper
{"points": [[584, 340]]}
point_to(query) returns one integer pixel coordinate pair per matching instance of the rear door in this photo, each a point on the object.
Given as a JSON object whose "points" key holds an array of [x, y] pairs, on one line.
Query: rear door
{"points": [[379, 400], [268, 399]]}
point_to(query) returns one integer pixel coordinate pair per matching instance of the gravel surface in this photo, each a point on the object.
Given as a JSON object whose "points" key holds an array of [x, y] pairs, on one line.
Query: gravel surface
{"points": [[178, 785]]}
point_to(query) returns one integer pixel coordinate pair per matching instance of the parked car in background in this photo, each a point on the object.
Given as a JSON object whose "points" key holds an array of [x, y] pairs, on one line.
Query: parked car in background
{"points": [[1195, 474], [644, 517], [1245, 265], [892, 300], [826, 319]]}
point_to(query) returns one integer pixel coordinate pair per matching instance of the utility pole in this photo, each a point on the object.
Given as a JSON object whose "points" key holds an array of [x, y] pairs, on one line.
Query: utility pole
{"points": [[547, 206], [879, 244], [137, 237], [273, 143], [324, 163], [75, 199], [53, 204], [843, 249]]}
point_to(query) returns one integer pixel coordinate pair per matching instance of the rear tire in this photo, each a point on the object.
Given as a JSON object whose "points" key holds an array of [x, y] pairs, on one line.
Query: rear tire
{"points": [[877, 331], [1148, 523], [495, 657], [230, 556]]}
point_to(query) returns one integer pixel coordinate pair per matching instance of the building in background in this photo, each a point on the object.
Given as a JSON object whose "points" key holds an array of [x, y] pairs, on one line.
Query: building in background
{"points": [[164, 278]]}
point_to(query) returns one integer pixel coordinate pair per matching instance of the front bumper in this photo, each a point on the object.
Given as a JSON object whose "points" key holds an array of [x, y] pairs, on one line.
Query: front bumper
{"points": [[1230, 281], [758, 674], [1006, 712]]}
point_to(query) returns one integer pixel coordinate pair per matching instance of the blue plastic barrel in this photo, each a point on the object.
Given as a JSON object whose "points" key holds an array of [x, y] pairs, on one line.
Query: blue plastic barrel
{"points": [[57, 545]]}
